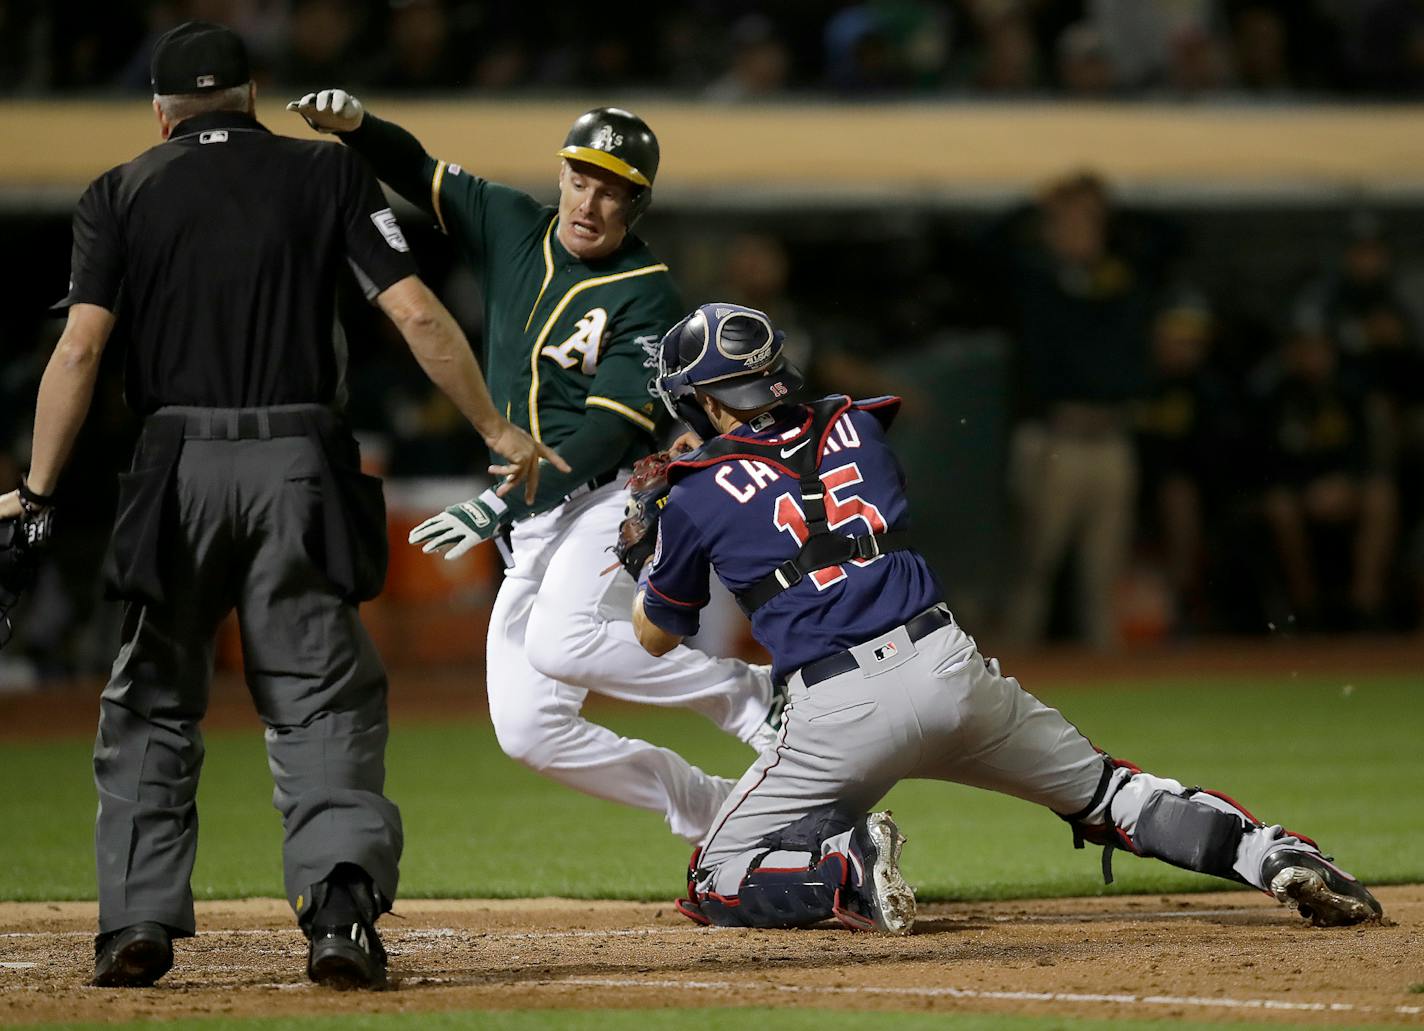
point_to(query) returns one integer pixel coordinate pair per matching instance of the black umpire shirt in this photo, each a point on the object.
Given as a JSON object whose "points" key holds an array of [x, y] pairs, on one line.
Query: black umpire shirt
{"points": [[227, 242]]}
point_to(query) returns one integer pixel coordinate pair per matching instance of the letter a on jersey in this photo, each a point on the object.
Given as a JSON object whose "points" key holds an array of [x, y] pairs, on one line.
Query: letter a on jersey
{"points": [[582, 345]]}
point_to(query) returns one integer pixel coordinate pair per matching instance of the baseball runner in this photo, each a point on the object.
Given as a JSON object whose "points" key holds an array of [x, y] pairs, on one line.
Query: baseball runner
{"points": [[574, 305], [801, 511]]}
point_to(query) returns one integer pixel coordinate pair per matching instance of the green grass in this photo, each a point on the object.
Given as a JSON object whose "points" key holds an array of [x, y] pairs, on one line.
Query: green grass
{"points": [[728, 1019], [1304, 752]]}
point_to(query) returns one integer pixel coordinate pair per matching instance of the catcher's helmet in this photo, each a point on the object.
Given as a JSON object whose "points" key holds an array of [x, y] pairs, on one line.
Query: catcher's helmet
{"points": [[620, 142], [729, 351]]}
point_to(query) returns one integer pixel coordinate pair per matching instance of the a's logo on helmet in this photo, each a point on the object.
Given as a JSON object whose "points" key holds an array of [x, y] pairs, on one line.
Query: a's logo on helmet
{"points": [[606, 138]]}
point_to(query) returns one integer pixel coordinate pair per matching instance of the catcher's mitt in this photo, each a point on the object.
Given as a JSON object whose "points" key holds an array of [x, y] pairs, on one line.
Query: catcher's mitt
{"points": [[20, 541], [638, 533]]}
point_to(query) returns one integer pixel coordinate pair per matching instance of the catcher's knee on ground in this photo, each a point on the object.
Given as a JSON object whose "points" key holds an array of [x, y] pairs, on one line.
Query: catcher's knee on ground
{"points": [[1191, 828], [795, 877]]}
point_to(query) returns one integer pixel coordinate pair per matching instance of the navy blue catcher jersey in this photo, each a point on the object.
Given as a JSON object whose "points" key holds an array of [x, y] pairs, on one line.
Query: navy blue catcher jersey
{"points": [[742, 518]]}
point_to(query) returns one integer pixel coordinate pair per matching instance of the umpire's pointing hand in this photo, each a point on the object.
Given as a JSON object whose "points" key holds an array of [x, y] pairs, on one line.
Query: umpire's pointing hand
{"points": [[331, 110], [522, 454]]}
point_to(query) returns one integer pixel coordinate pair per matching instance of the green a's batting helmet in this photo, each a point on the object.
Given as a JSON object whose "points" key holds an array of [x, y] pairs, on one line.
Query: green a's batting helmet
{"points": [[620, 142]]}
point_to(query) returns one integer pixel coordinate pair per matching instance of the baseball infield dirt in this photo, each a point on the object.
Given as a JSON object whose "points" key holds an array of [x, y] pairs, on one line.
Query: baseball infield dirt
{"points": [[1229, 956]]}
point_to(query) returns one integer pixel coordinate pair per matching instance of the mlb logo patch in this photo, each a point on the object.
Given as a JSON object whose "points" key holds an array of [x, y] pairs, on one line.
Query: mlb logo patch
{"points": [[885, 651]]}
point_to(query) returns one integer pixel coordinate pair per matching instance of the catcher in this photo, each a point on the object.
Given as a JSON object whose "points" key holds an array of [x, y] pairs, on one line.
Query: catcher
{"points": [[801, 511]]}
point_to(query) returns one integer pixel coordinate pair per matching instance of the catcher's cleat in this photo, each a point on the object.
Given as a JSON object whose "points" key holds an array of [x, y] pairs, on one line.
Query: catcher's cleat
{"points": [[132, 957], [883, 901], [1323, 893]]}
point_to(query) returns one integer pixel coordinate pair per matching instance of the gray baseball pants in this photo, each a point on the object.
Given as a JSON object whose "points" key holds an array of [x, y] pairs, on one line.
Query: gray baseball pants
{"points": [[246, 515], [934, 709]]}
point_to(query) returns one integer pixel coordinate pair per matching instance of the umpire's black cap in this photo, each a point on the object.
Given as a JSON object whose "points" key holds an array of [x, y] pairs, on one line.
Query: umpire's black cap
{"points": [[198, 57]]}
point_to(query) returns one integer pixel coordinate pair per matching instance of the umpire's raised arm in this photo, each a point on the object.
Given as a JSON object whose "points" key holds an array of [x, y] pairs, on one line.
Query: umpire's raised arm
{"points": [[439, 345]]}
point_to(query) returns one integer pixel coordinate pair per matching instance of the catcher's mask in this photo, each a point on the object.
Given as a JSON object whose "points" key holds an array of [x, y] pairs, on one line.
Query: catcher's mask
{"points": [[622, 143], [730, 352]]}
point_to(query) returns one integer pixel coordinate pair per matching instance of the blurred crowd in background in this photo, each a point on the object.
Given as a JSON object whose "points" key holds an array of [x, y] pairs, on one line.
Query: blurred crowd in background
{"points": [[1120, 422], [1169, 433], [735, 50]]}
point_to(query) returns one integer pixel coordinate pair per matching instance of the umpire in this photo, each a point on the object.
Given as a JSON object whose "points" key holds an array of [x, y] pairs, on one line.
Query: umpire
{"points": [[224, 245]]}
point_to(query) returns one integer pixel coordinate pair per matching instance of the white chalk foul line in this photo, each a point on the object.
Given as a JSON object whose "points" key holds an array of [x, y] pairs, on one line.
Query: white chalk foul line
{"points": [[973, 993], [638, 932]]}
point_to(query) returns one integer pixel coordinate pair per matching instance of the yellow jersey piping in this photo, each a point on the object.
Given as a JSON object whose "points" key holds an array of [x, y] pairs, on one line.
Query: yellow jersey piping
{"points": [[435, 181], [548, 273], [635, 417], [574, 290]]}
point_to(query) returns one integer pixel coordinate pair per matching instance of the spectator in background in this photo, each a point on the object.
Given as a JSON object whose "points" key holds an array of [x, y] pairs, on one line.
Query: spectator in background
{"points": [[321, 42], [418, 54], [759, 63], [1083, 285], [1139, 37], [860, 56], [1008, 59], [1332, 513], [1183, 431], [1262, 64], [1084, 70], [1197, 64], [1371, 315]]}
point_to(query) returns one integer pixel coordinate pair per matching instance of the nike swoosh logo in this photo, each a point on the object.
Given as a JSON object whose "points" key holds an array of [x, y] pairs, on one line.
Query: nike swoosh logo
{"points": [[787, 452]]}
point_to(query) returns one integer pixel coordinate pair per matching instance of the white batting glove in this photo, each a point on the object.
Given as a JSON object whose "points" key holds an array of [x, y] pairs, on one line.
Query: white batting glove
{"points": [[331, 110], [460, 527]]}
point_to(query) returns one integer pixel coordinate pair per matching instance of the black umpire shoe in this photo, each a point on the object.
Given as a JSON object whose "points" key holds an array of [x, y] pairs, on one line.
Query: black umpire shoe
{"points": [[347, 956], [132, 957], [1323, 893], [881, 900], [345, 951]]}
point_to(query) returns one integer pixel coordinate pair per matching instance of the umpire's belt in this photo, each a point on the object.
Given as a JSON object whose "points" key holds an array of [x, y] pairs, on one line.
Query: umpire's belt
{"points": [[926, 623], [247, 423]]}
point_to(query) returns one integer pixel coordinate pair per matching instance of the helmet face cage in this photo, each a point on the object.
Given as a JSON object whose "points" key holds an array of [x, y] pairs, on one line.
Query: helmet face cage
{"points": [[672, 382]]}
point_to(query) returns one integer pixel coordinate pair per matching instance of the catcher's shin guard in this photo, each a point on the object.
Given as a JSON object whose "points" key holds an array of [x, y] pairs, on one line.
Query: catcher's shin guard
{"points": [[1190, 828], [779, 897], [1188, 831]]}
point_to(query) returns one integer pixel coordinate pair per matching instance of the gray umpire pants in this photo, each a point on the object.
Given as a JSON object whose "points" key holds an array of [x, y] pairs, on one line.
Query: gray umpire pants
{"points": [[247, 521], [935, 709]]}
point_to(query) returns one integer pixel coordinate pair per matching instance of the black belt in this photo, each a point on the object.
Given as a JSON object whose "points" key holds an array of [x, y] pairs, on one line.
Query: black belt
{"points": [[601, 480], [245, 423], [926, 623]]}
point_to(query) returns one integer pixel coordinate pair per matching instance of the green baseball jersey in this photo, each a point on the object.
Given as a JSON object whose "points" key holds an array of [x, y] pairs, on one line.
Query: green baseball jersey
{"points": [[562, 335]]}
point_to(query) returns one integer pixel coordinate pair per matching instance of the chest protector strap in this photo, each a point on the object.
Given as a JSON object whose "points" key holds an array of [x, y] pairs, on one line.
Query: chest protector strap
{"points": [[823, 547]]}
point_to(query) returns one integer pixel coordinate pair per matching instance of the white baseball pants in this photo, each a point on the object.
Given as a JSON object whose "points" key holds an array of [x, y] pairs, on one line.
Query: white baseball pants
{"points": [[561, 627]]}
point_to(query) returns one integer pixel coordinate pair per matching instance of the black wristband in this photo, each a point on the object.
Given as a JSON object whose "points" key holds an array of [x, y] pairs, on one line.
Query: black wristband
{"points": [[38, 500]]}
